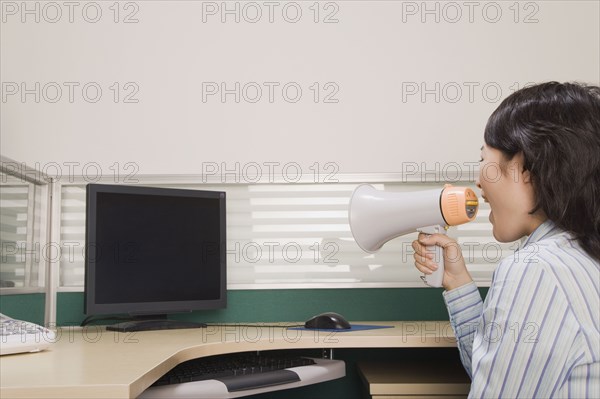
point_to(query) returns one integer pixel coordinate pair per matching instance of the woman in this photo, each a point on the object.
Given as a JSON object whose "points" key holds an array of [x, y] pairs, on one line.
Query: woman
{"points": [[537, 333]]}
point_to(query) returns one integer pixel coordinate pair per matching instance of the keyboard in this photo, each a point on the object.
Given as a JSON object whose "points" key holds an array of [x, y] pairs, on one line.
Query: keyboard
{"points": [[18, 336], [242, 374]]}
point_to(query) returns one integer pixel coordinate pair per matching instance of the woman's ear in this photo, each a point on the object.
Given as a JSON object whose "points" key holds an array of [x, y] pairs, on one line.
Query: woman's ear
{"points": [[516, 166], [526, 176]]}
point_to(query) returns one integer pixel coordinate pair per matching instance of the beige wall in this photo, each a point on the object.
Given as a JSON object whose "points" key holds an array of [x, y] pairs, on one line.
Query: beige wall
{"points": [[387, 75]]}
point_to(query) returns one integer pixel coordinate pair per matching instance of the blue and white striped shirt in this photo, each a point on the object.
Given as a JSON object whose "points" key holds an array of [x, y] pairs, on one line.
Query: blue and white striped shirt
{"points": [[537, 334]]}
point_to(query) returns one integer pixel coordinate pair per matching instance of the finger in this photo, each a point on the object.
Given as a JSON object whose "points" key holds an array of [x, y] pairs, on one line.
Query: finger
{"points": [[426, 268], [440, 240], [426, 261], [419, 248], [422, 236], [421, 255], [422, 268], [452, 250]]}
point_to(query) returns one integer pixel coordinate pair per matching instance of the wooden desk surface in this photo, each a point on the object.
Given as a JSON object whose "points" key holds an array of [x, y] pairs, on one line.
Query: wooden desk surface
{"points": [[95, 363]]}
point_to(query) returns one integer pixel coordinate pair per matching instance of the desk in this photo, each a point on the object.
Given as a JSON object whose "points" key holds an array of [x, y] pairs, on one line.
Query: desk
{"points": [[94, 363], [445, 379]]}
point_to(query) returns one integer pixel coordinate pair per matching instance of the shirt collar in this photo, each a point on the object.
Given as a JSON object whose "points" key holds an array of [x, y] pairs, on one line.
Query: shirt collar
{"points": [[546, 229]]}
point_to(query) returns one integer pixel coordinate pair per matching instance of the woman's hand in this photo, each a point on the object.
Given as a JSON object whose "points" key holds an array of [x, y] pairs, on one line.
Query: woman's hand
{"points": [[455, 270]]}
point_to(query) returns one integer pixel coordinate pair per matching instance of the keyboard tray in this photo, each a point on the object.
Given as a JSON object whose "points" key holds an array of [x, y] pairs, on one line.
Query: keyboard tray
{"points": [[322, 370]]}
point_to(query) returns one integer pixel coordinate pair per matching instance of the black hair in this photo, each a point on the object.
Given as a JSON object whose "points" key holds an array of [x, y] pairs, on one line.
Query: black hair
{"points": [[556, 126]]}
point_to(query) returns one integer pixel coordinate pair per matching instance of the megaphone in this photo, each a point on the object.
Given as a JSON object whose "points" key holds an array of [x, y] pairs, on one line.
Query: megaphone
{"points": [[377, 216]]}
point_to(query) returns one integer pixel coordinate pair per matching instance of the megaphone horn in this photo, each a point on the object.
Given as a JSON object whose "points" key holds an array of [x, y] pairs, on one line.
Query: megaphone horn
{"points": [[378, 216]]}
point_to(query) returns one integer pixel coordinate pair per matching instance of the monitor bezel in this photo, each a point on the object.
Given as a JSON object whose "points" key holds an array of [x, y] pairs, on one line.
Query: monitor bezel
{"points": [[92, 308]]}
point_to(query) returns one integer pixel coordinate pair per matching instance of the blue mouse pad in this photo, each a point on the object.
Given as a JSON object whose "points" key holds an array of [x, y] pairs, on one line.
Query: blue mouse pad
{"points": [[355, 327]]}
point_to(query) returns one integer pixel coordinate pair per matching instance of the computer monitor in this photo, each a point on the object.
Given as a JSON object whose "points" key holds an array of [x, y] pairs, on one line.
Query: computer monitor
{"points": [[154, 251]]}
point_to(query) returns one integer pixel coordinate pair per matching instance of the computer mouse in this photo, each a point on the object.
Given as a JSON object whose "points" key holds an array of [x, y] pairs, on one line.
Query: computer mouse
{"points": [[328, 321]]}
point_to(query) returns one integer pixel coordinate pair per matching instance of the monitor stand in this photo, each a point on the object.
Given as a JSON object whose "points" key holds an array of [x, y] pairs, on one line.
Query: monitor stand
{"points": [[153, 322]]}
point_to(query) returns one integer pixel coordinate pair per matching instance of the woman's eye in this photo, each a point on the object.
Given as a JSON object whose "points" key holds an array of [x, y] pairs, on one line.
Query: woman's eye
{"points": [[481, 160]]}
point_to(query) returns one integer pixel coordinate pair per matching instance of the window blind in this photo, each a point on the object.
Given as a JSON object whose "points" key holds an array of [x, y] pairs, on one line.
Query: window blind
{"points": [[22, 221], [298, 236]]}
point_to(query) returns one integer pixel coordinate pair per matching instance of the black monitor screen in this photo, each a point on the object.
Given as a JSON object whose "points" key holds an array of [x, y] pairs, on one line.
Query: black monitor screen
{"points": [[154, 250]]}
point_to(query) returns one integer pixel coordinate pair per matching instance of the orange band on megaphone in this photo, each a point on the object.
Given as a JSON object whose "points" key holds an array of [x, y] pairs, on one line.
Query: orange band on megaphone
{"points": [[459, 205]]}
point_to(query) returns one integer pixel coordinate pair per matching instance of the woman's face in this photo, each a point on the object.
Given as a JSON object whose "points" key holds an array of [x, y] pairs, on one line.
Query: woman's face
{"points": [[510, 194]]}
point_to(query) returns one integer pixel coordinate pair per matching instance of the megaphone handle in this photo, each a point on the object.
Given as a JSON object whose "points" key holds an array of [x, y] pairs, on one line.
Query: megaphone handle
{"points": [[436, 278]]}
